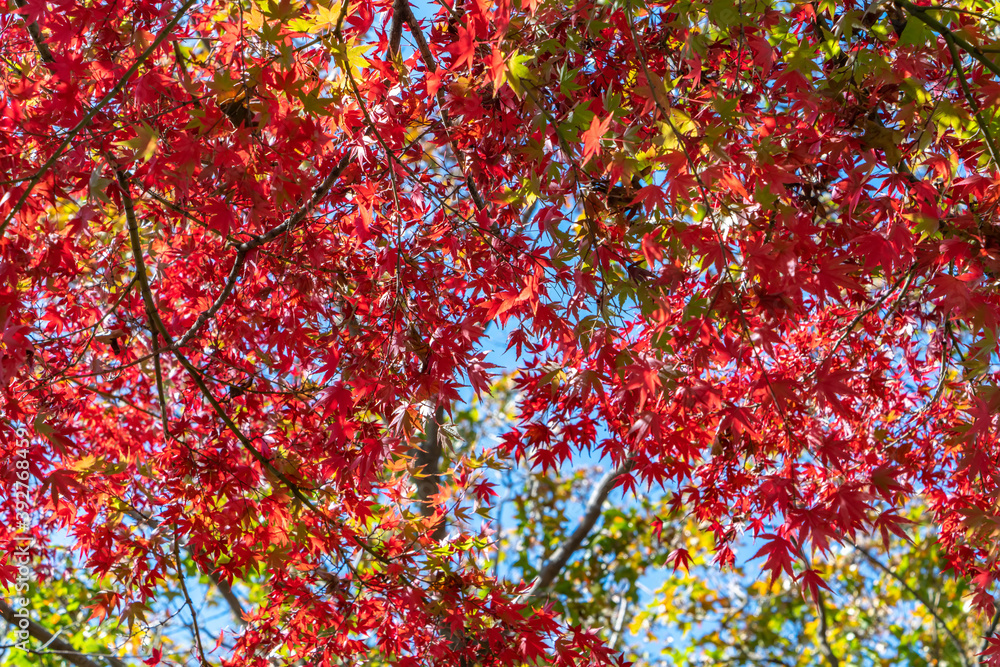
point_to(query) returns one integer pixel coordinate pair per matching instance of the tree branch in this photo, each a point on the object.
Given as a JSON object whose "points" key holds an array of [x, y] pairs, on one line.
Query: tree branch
{"points": [[140, 267], [255, 242], [426, 469], [402, 8], [989, 633], [36, 35], [235, 606], [591, 513], [983, 127], [189, 603], [196, 375], [943, 30], [824, 639], [396, 28], [63, 648]]}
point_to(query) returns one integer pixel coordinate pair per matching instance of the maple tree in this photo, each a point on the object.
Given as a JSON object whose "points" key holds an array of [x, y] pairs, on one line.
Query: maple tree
{"points": [[254, 253]]}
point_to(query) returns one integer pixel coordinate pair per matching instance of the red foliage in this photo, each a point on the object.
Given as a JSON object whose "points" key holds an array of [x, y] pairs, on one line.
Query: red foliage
{"points": [[240, 252]]}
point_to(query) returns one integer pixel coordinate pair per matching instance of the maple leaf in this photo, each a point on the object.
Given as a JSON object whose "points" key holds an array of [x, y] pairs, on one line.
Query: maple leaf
{"points": [[463, 49], [991, 652], [812, 581], [31, 10], [103, 603], [155, 657], [593, 135], [680, 559], [782, 303], [779, 559]]}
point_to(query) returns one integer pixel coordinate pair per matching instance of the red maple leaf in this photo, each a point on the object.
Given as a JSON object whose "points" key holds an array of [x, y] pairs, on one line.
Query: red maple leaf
{"points": [[593, 135]]}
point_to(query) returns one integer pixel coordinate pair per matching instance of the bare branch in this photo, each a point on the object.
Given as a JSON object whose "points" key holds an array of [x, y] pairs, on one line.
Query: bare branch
{"points": [[396, 28], [156, 323], [591, 513], [187, 601], [824, 638], [235, 607]]}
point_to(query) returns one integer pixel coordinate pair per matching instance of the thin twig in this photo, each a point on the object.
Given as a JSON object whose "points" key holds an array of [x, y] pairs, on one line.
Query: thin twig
{"points": [[616, 630], [403, 7], [187, 601], [908, 277], [244, 249]]}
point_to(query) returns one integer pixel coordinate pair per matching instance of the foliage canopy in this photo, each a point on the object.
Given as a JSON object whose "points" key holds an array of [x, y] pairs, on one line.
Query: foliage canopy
{"points": [[254, 255]]}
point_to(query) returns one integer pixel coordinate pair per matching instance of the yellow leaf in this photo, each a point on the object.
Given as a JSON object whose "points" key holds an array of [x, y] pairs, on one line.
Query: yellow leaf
{"points": [[143, 145], [256, 20]]}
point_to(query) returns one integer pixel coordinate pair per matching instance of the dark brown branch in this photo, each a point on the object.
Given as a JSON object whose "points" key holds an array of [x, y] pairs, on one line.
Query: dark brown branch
{"points": [[591, 513], [824, 638], [196, 375], [426, 469], [36, 35], [58, 646], [156, 324], [396, 28]]}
